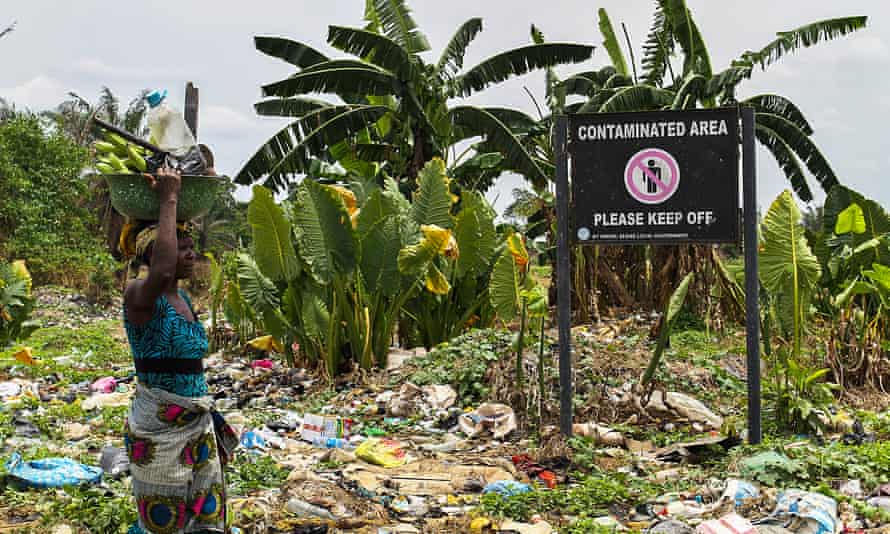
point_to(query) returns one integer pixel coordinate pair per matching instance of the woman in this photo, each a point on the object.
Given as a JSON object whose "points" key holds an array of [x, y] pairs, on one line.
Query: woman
{"points": [[176, 442]]}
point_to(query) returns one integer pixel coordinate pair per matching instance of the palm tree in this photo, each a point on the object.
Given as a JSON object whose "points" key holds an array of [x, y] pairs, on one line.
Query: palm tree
{"points": [[75, 116], [394, 113]]}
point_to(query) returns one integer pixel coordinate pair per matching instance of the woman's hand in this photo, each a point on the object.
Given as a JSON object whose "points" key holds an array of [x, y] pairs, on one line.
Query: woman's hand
{"points": [[166, 184]]}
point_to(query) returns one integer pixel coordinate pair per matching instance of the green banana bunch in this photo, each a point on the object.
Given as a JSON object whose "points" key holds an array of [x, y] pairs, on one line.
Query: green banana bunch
{"points": [[117, 156]]}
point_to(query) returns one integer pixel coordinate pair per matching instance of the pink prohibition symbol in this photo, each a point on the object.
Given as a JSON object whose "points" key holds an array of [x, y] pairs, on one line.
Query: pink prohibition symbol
{"points": [[661, 187]]}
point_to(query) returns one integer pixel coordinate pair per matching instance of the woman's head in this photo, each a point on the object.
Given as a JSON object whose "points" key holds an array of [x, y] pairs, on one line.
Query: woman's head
{"points": [[137, 243], [185, 258]]}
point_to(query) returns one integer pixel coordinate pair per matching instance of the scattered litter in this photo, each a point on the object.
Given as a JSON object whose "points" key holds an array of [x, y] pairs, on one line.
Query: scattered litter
{"points": [[806, 512], [729, 524], [75, 431], [600, 434], [382, 452], [317, 427], [51, 472], [106, 400], [104, 385], [114, 461], [498, 418], [304, 509], [507, 488]]}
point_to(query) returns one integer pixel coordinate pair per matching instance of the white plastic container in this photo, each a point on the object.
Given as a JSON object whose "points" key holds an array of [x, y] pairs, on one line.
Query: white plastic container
{"points": [[167, 125]]}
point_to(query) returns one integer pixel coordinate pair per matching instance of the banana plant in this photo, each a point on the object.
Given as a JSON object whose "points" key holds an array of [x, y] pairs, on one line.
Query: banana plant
{"points": [[396, 111]]}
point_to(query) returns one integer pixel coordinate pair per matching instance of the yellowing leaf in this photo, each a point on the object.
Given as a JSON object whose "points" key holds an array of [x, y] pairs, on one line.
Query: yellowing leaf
{"points": [[516, 246], [436, 283], [439, 237], [25, 356], [266, 344], [852, 219], [21, 272], [348, 198]]}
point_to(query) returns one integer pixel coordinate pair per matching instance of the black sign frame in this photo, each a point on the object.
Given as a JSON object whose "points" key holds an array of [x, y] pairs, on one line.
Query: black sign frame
{"points": [[612, 155], [752, 283]]}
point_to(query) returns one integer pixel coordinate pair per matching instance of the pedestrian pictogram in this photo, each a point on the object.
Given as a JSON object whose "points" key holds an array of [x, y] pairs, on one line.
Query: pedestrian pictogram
{"points": [[652, 176]]}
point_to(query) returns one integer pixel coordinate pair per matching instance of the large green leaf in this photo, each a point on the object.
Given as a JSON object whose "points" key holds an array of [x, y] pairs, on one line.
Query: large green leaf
{"points": [[724, 83], [692, 89], [672, 310], [256, 287], [289, 107], [586, 83], [877, 227], [377, 229], [786, 159], [504, 287], [297, 54], [788, 268], [802, 145], [474, 121], [372, 47], [781, 106], [352, 80], [659, 47], [805, 36], [394, 18], [685, 31], [521, 61], [475, 234], [452, 59], [314, 313], [636, 98], [610, 43], [291, 150], [325, 235], [432, 200], [272, 245]]}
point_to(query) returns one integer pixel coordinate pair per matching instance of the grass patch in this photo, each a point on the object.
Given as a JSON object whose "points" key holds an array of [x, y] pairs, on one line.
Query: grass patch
{"points": [[462, 363], [84, 353]]}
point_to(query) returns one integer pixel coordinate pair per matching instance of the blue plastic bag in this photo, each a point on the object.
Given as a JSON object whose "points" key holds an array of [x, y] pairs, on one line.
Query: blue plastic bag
{"points": [[507, 488], [51, 472]]}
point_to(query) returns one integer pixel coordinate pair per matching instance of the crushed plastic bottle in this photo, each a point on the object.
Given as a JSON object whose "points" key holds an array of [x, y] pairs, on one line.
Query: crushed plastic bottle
{"points": [[332, 443], [167, 125]]}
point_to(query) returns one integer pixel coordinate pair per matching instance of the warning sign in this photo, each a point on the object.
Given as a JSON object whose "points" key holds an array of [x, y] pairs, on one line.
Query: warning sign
{"points": [[652, 176], [655, 177]]}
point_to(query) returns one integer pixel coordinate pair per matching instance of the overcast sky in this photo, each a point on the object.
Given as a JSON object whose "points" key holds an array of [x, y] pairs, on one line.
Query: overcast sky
{"points": [[843, 86]]}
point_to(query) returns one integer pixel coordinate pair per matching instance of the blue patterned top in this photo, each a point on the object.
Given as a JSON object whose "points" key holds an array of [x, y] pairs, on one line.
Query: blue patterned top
{"points": [[169, 335]]}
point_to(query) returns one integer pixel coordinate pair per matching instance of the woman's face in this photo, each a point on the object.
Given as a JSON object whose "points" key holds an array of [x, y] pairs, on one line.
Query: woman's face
{"points": [[185, 262]]}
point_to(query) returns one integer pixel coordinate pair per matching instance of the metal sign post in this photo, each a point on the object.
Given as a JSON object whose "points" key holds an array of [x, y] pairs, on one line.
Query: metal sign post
{"points": [[563, 277], [665, 177], [752, 278]]}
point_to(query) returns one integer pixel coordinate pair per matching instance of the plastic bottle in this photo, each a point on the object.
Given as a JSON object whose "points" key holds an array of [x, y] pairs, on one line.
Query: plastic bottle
{"points": [[304, 509], [332, 443], [167, 125]]}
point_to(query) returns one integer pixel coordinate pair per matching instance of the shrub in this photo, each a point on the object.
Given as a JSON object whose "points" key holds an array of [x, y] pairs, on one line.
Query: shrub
{"points": [[42, 204]]}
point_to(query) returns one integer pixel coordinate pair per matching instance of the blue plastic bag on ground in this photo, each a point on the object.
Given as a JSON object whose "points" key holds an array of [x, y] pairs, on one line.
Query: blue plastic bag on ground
{"points": [[51, 472], [507, 488]]}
